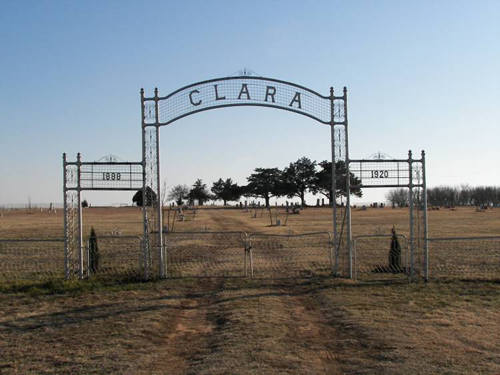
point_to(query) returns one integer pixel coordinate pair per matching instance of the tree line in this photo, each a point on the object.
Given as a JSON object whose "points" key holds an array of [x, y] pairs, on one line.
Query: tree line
{"points": [[451, 196], [293, 181]]}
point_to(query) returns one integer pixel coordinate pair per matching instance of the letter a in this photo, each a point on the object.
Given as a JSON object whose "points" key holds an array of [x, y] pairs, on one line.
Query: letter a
{"points": [[191, 97], [244, 90], [296, 99], [270, 91]]}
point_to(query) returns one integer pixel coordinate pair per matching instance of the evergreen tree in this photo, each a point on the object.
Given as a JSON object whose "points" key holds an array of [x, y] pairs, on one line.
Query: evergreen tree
{"points": [[199, 192], [395, 253], [93, 252], [323, 182], [265, 183], [298, 177], [226, 190]]}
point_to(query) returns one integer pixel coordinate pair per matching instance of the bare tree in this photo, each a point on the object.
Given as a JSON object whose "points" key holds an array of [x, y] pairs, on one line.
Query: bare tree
{"points": [[398, 197], [178, 193]]}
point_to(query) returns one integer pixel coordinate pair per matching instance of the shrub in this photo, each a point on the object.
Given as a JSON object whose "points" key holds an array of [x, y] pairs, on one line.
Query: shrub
{"points": [[395, 253], [93, 252]]}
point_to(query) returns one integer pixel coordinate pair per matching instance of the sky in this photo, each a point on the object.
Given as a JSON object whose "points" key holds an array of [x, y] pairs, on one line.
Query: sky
{"points": [[420, 75]]}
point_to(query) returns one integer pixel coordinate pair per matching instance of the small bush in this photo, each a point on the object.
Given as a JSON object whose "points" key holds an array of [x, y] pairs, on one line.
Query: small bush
{"points": [[93, 252], [395, 253]]}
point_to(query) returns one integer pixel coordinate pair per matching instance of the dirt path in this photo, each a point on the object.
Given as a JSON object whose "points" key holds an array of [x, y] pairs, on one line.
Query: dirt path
{"points": [[285, 328], [241, 326], [224, 222]]}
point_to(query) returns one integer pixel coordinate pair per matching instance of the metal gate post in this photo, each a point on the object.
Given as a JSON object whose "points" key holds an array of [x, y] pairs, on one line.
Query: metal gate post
{"points": [[426, 241], [80, 229], [161, 258], [410, 201], [66, 237], [334, 181], [145, 237], [348, 185]]}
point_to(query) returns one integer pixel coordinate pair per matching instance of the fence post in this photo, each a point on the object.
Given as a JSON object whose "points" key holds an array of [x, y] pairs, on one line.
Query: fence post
{"points": [[354, 262], [80, 233], [410, 201], [161, 250], [251, 262], [88, 258], [248, 253], [426, 241], [334, 260], [143, 258], [348, 185], [145, 218], [245, 271], [66, 230], [334, 179]]}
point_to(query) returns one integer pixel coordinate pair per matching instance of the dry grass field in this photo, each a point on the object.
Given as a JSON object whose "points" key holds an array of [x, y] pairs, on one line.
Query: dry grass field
{"points": [[128, 221], [210, 325]]}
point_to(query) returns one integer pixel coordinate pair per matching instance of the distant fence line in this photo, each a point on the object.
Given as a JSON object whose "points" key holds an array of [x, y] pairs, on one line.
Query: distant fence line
{"points": [[240, 254]]}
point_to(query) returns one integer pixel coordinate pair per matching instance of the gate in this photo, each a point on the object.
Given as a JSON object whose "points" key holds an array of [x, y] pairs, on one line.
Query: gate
{"points": [[239, 254], [119, 256], [371, 258], [194, 254], [301, 255]]}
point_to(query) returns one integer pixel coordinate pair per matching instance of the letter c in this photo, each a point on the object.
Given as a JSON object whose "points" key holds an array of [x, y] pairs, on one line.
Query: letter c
{"points": [[191, 97]]}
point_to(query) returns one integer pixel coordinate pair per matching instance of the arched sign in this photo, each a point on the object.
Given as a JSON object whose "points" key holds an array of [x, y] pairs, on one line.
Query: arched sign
{"points": [[237, 91]]}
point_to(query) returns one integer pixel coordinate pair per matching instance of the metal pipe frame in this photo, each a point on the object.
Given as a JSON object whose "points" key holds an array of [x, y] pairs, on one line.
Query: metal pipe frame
{"points": [[334, 186], [145, 238], [348, 186], [80, 219], [161, 258], [65, 199], [410, 201], [426, 233]]}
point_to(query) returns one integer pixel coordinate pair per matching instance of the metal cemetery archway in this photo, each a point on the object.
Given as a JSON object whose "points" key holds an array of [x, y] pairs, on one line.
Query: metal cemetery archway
{"points": [[157, 111]]}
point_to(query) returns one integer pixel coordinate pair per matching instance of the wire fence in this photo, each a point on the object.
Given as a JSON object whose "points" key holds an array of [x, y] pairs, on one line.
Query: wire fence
{"points": [[35, 259], [31, 259], [465, 257], [259, 255]]}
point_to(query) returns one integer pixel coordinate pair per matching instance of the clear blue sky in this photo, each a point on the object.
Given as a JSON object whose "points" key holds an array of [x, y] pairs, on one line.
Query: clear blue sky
{"points": [[421, 75]]}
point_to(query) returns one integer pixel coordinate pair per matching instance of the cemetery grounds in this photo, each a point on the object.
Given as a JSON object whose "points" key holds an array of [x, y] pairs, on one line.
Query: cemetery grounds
{"points": [[242, 325]]}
